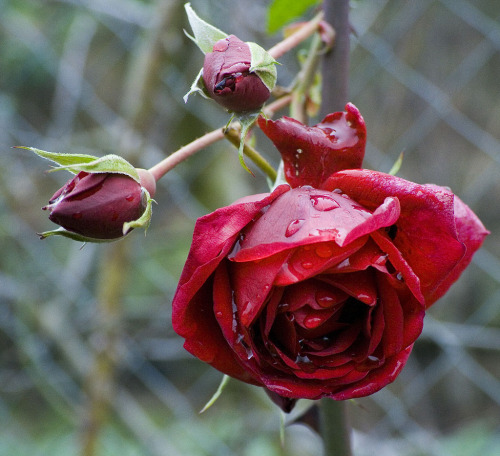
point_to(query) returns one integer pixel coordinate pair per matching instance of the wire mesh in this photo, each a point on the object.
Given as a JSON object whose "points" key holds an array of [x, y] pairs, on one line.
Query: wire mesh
{"points": [[425, 76]]}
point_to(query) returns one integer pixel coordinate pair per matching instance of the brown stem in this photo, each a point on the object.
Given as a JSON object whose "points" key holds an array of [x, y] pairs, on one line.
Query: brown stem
{"points": [[335, 69]]}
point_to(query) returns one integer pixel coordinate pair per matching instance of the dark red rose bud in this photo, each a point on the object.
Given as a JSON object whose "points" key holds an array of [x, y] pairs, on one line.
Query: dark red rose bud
{"points": [[97, 205], [228, 79]]}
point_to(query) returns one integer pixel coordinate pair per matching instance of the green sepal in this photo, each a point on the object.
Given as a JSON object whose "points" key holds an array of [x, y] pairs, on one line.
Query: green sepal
{"points": [[263, 64], [397, 165], [61, 159], [220, 389], [74, 236], [205, 35], [145, 219], [198, 86], [246, 120], [75, 163]]}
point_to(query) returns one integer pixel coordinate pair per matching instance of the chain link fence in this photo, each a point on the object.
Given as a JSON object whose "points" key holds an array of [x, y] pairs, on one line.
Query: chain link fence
{"points": [[84, 374]]}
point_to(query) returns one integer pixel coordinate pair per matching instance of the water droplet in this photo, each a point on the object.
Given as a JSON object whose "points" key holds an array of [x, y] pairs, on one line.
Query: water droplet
{"points": [[324, 299], [77, 215], [218, 314], [337, 190], [293, 227], [307, 264], [399, 276], [312, 322], [323, 203], [324, 251], [129, 198]]}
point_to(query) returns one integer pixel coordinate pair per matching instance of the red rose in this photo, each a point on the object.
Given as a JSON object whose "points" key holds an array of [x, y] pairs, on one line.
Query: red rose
{"points": [[97, 205], [313, 292], [227, 76]]}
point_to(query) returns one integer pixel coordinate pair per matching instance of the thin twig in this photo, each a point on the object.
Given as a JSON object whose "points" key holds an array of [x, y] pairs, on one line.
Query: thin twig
{"points": [[296, 38], [170, 162]]}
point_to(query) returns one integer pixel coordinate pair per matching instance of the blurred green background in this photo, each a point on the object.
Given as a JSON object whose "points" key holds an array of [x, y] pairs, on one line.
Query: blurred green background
{"points": [[89, 364]]}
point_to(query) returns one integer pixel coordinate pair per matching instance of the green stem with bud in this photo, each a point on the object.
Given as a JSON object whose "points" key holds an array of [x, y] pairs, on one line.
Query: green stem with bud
{"points": [[289, 43]]}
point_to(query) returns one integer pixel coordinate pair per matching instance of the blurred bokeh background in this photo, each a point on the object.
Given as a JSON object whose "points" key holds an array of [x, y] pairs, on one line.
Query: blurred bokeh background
{"points": [[89, 364]]}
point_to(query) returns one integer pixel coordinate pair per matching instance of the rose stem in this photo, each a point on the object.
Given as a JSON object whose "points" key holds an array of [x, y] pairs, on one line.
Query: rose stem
{"points": [[170, 162], [296, 38], [334, 427]]}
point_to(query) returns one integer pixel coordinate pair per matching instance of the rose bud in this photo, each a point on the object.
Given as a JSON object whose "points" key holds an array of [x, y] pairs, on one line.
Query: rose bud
{"points": [[229, 78], [96, 205]]}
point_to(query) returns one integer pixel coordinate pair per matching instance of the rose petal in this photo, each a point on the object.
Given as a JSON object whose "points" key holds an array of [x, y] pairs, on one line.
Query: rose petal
{"points": [[376, 379], [252, 282], [426, 232], [311, 154], [213, 238], [360, 285], [471, 232], [305, 216]]}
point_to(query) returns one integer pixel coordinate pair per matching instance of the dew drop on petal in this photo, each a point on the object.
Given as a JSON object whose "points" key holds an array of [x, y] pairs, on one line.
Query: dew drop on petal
{"points": [[324, 251], [323, 203], [324, 299], [129, 198], [312, 322], [293, 227], [307, 264]]}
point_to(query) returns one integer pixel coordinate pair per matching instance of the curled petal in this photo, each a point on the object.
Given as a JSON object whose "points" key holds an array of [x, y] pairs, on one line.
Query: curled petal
{"points": [[312, 154], [425, 234]]}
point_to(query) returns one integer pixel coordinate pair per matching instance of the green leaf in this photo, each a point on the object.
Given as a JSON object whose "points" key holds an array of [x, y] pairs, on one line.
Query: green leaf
{"points": [[144, 220], [205, 35], [220, 389], [263, 64], [282, 12], [397, 165]]}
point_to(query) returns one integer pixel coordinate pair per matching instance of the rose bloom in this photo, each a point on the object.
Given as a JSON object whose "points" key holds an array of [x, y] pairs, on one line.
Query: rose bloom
{"points": [[97, 205], [227, 76], [320, 291]]}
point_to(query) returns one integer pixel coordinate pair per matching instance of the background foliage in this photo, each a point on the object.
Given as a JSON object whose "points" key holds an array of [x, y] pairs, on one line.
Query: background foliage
{"points": [[95, 76]]}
